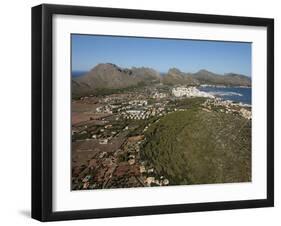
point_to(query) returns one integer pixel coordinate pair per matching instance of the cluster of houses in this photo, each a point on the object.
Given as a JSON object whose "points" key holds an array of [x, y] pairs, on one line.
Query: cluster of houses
{"points": [[190, 92], [138, 103], [245, 113], [149, 181], [138, 107], [138, 114], [104, 109], [158, 95], [228, 107], [146, 174], [134, 109]]}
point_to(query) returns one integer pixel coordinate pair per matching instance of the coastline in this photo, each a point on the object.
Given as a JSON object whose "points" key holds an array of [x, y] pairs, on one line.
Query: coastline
{"points": [[194, 91], [224, 86]]}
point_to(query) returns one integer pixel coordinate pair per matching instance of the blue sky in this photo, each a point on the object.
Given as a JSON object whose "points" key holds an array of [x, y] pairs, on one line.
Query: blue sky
{"points": [[160, 54]]}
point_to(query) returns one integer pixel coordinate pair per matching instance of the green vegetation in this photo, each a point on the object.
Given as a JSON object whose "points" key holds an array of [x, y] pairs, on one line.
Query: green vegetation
{"points": [[124, 157], [188, 103], [197, 147], [139, 125], [100, 92]]}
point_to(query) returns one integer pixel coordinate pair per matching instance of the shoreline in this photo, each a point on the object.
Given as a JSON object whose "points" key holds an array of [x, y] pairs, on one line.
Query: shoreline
{"points": [[224, 86], [193, 91]]}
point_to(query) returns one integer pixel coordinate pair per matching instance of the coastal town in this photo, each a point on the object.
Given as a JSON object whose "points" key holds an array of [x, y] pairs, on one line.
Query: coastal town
{"points": [[110, 131], [155, 112]]}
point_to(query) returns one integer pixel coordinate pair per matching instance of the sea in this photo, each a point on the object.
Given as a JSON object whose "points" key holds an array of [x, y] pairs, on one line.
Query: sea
{"points": [[236, 94]]}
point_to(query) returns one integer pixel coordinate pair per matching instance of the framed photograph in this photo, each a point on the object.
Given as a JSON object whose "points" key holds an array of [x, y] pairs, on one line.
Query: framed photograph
{"points": [[145, 112]]}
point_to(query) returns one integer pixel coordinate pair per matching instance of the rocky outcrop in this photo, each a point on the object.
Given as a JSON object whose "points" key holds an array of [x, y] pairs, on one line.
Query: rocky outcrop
{"points": [[177, 77], [110, 76]]}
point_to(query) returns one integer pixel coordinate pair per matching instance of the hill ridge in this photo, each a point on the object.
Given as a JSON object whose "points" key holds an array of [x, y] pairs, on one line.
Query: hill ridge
{"points": [[112, 76]]}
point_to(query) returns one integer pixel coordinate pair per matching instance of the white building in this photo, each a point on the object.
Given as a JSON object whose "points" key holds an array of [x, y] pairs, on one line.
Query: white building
{"points": [[134, 112], [138, 102], [103, 141], [189, 92], [159, 95]]}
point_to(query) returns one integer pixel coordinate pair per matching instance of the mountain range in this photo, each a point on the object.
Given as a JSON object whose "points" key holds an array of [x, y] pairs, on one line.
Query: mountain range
{"points": [[110, 76]]}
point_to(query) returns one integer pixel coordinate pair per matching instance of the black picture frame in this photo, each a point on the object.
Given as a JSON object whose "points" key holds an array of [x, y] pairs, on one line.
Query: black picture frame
{"points": [[42, 111]]}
